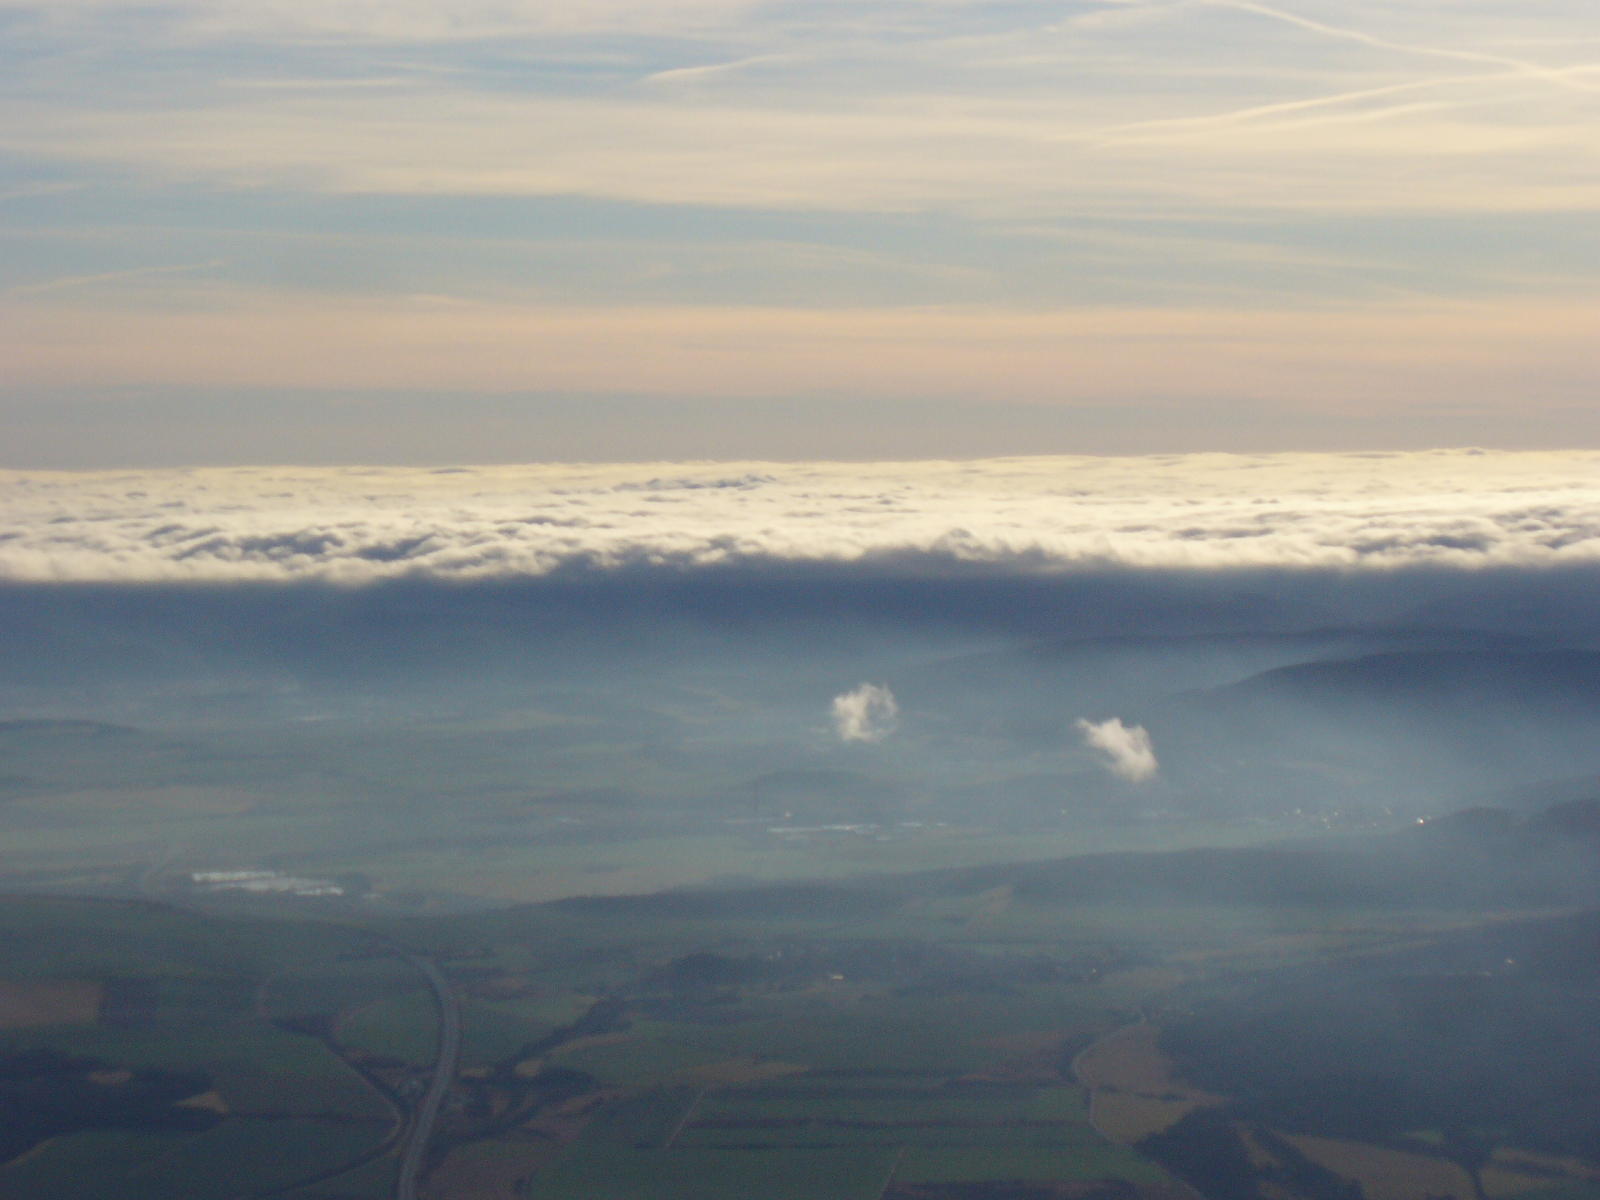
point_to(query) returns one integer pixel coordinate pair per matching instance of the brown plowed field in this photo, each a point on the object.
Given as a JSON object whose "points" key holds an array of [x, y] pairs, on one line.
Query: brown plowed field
{"points": [[49, 1002]]}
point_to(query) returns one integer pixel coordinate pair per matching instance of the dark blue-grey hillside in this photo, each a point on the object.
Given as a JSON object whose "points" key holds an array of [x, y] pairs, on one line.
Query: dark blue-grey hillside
{"points": [[1031, 693], [1572, 824], [1402, 727], [1442, 679]]}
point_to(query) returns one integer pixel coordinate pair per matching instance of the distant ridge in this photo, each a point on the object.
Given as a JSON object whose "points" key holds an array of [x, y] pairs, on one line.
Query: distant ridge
{"points": [[49, 725], [1543, 675], [1485, 858]]}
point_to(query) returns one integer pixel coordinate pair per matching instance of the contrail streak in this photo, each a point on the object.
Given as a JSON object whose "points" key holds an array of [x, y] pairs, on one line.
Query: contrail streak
{"points": [[1239, 116], [1559, 77]]}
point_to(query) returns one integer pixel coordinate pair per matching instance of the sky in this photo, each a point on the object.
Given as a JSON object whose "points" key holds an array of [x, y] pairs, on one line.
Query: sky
{"points": [[491, 231]]}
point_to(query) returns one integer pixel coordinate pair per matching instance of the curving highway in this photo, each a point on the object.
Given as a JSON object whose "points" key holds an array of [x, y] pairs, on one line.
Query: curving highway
{"points": [[445, 1064]]}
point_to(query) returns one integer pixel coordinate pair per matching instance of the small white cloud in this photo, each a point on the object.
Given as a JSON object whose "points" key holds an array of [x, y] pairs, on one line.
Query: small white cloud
{"points": [[867, 714], [1125, 749]]}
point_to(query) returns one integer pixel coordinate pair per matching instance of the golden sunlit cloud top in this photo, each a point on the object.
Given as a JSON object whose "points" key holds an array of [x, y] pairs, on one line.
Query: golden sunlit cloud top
{"points": [[1460, 509]]}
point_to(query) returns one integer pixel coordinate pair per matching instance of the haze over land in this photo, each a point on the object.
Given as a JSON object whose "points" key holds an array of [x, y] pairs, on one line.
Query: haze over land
{"points": [[1099, 652]]}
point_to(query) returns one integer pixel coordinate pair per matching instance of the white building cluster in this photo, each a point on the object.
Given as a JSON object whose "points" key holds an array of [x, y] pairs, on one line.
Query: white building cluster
{"points": [[263, 882]]}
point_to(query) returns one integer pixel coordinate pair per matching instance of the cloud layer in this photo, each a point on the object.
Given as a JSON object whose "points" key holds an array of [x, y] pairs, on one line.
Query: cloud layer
{"points": [[1458, 508]]}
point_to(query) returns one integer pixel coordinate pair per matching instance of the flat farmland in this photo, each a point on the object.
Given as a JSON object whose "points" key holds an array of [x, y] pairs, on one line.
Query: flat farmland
{"points": [[1385, 1174], [25, 1004], [177, 1062], [938, 1114], [403, 1026], [252, 1155], [1133, 1089], [684, 1174], [253, 1068], [85, 1166], [372, 1180], [238, 1156], [1084, 1160]]}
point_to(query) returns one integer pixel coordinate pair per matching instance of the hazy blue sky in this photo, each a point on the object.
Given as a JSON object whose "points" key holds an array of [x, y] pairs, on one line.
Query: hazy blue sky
{"points": [[494, 230]]}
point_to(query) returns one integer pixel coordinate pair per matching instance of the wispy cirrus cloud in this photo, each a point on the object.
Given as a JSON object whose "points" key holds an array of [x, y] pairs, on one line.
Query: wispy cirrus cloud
{"points": [[1558, 78], [983, 155], [1372, 206], [968, 107], [398, 21]]}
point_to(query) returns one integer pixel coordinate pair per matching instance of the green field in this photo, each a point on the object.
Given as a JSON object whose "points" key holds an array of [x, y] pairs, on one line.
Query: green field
{"points": [[85, 1166], [815, 1141], [255, 1068], [1084, 1159], [371, 1181], [403, 1026], [260, 1154], [892, 1102], [494, 1033], [712, 1175], [235, 1157]]}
